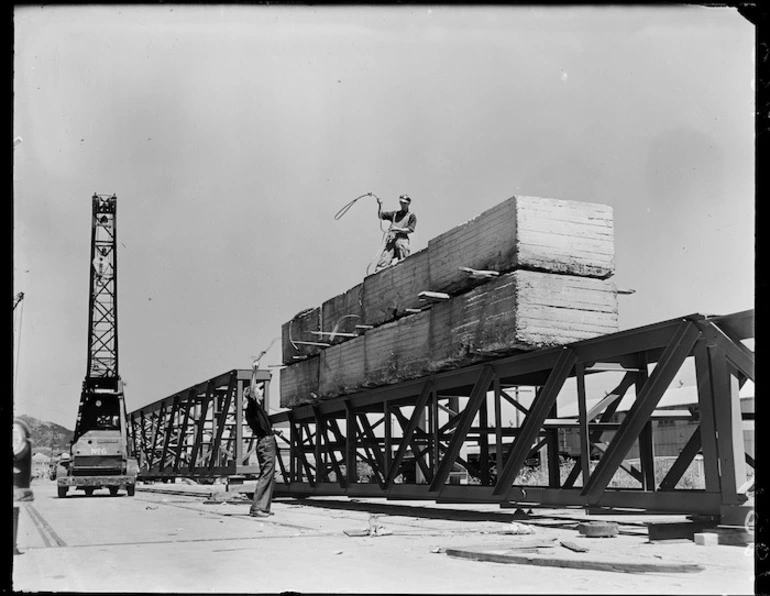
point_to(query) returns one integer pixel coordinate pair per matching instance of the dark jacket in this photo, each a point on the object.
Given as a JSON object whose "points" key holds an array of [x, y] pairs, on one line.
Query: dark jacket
{"points": [[257, 419]]}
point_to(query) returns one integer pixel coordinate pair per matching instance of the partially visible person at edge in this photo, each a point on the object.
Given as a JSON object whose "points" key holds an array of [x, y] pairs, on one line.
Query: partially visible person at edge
{"points": [[402, 223], [258, 421]]}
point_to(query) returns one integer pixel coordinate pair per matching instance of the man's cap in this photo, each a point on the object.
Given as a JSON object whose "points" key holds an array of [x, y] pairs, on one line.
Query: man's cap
{"points": [[405, 198]]}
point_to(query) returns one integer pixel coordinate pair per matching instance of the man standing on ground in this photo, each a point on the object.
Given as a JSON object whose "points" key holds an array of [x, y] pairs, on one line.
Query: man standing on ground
{"points": [[257, 419], [402, 223]]}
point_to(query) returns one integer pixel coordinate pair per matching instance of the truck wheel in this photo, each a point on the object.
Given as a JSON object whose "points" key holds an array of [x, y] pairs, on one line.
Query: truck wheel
{"points": [[62, 490], [130, 490], [113, 491], [89, 491]]}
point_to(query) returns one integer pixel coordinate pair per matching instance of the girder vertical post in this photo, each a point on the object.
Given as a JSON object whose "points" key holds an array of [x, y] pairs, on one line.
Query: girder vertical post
{"points": [[331, 424], [320, 468], [182, 436], [169, 429], [646, 445], [388, 439], [157, 432], [220, 425], [477, 396], [408, 432], [585, 442], [434, 430], [374, 449], [350, 444], [335, 428], [668, 365], [707, 415], [730, 444], [533, 421], [484, 443], [203, 413], [293, 476], [421, 473], [498, 427]]}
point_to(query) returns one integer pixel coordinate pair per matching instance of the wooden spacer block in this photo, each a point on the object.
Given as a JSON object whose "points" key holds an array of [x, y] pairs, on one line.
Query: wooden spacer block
{"points": [[434, 296], [706, 538]]}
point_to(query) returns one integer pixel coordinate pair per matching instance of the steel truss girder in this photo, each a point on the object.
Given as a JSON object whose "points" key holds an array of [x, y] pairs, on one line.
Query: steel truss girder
{"points": [[197, 432], [412, 435]]}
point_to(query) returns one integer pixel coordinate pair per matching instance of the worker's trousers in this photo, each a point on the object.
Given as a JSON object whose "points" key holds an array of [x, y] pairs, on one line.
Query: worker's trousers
{"points": [[395, 250], [263, 492]]}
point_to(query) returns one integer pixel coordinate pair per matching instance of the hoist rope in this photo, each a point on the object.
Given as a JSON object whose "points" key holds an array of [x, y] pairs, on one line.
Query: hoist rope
{"points": [[347, 207], [263, 352], [385, 232]]}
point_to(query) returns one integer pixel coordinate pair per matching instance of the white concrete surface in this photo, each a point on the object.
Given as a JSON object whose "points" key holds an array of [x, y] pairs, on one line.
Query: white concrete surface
{"points": [[156, 542]]}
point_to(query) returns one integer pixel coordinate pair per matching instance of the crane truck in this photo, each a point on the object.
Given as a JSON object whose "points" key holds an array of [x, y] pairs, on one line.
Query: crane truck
{"points": [[101, 454]]}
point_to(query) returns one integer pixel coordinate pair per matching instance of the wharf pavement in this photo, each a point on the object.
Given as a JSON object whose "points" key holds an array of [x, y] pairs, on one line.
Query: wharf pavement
{"points": [[188, 538]]}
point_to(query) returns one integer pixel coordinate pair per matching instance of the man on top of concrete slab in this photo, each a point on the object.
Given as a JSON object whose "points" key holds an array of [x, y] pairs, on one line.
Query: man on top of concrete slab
{"points": [[402, 223]]}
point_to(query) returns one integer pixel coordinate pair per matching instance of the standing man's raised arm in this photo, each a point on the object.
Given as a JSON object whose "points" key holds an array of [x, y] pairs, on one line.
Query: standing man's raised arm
{"points": [[253, 384]]}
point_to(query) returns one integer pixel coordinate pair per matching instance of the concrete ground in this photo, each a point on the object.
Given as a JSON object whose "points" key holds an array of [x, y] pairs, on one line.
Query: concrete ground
{"points": [[177, 538]]}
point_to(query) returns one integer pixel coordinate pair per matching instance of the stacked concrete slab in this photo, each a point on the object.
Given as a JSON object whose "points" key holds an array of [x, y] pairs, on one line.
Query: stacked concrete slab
{"points": [[553, 261]]}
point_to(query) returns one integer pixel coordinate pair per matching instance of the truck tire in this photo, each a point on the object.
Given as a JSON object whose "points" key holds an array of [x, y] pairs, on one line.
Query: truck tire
{"points": [[113, 491], [89, 491], [62, 490], [130, 490]]}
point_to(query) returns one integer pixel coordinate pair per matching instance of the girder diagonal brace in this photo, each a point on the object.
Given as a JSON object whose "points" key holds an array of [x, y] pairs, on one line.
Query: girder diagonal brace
{"points": [[419, 406], [671, 360], [478, 394], [222, 421], [417, 452], [737, 354], [533, 422]]}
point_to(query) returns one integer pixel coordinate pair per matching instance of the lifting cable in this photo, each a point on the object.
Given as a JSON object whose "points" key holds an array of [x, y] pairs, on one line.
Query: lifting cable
{"points": [[263, 352], [347, 207], [385, 232]]}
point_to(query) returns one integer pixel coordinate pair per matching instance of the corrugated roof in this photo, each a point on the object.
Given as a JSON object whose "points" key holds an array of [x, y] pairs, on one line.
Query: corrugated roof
{"points": [[674, 397]]}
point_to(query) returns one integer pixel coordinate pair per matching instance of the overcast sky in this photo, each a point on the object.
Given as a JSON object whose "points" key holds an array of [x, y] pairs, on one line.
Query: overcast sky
{"points": [[231, 135]]}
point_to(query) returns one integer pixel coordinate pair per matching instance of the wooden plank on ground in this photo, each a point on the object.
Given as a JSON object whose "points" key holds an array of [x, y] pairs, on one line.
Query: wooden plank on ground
{"points": [[577, 561], [677, 530]]}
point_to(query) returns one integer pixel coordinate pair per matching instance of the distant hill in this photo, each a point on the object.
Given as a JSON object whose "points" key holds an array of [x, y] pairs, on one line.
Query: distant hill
{"points": [[48, 434]]}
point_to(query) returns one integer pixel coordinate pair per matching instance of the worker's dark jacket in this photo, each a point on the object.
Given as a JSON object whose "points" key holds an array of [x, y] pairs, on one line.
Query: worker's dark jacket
{"points": [[257, 419]]}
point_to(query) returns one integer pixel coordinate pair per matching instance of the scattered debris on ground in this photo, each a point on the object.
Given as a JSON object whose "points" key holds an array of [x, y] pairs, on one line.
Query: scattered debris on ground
{"points": [[375, 529], [517, 528], [573, 547], [532, 555], [598, 529]]}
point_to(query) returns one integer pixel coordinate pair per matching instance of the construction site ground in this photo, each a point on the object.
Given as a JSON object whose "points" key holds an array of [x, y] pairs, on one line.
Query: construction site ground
{"points": [[199, 539]]}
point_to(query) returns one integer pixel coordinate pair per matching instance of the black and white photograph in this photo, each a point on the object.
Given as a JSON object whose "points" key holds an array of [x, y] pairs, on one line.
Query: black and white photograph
{"points": [[384, 299]]}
